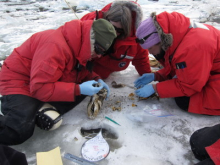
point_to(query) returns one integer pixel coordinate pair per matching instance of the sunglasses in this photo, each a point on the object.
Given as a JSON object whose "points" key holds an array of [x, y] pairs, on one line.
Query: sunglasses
{"points": [[118, 30], [98, 49], [141, 41]]}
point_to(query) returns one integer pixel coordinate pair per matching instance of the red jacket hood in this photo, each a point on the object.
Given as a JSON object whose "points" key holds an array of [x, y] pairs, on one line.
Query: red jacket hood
{"points": [[171, 36], [168, 22], [78, 36]]}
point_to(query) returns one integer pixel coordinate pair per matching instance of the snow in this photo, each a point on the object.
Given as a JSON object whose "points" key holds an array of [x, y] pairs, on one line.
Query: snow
{"points": [[142, 138]]}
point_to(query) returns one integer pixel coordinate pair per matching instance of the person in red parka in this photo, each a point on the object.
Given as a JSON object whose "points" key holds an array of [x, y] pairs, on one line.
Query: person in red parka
{"points": [[190, 54], [125, 17], [205, 145], [51, 69]]}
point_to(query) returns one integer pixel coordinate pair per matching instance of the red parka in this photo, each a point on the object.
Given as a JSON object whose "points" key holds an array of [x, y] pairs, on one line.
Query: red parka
{"points": [[127, 50], [44, 66], [214, 152], [194, 57]]}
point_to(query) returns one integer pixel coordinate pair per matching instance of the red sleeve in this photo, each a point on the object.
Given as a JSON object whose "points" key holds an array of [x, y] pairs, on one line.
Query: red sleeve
{"points": [[141, 61], [214, 152], [159, 76], [77, 90]]}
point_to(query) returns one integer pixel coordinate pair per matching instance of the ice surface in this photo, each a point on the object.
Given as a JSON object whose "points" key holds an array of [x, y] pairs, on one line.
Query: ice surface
{"points": [[141, 139]]}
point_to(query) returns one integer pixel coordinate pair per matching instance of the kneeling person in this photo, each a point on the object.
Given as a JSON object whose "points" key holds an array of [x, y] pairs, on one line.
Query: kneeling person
{"points": [[53, 67]]}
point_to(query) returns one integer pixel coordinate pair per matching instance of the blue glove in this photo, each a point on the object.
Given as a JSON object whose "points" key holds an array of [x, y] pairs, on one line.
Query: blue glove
{"points": [[87, 88], [144, 79], [104, 86], [145, 91]]}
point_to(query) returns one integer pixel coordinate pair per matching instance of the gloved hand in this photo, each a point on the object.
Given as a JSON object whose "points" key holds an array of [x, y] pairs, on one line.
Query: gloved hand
{"points": [[105, 86], [87, 88], [145, 91], [144, 79]]}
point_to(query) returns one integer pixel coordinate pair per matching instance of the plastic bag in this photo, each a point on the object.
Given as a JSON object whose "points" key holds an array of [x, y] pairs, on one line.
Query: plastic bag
{"points": [[156, 110], [148, 113]]}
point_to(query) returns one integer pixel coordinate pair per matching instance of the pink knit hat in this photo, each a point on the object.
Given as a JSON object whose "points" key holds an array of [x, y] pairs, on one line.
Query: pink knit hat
{"points": [[147, 34]]}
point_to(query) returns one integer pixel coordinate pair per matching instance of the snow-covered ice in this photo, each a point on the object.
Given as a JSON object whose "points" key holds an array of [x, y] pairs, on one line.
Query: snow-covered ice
{"points": [[142, 138]]}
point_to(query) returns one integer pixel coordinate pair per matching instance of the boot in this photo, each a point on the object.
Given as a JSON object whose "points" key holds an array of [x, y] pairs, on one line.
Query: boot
{"points": [[48, 118]]}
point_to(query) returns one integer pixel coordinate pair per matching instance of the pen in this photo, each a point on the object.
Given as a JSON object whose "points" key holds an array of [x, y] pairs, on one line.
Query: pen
{"points": [[112, 120]]}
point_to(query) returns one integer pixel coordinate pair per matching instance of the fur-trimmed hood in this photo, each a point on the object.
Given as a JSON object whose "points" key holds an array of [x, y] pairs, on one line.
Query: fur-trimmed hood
{"points": [[166, 39], [172, 28], [92, 40], [133, 7]]}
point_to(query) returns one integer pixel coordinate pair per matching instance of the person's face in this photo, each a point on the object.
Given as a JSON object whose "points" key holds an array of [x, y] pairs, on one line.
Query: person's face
{"points": [[97, 52], [118, 28], [94, 55], [155, 50]]}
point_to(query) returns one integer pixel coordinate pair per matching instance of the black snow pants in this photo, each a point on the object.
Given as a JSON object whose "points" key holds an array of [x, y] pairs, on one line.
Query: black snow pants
{"points": [[9, 156], [182, 102], [18, 120], [203, 138]]}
